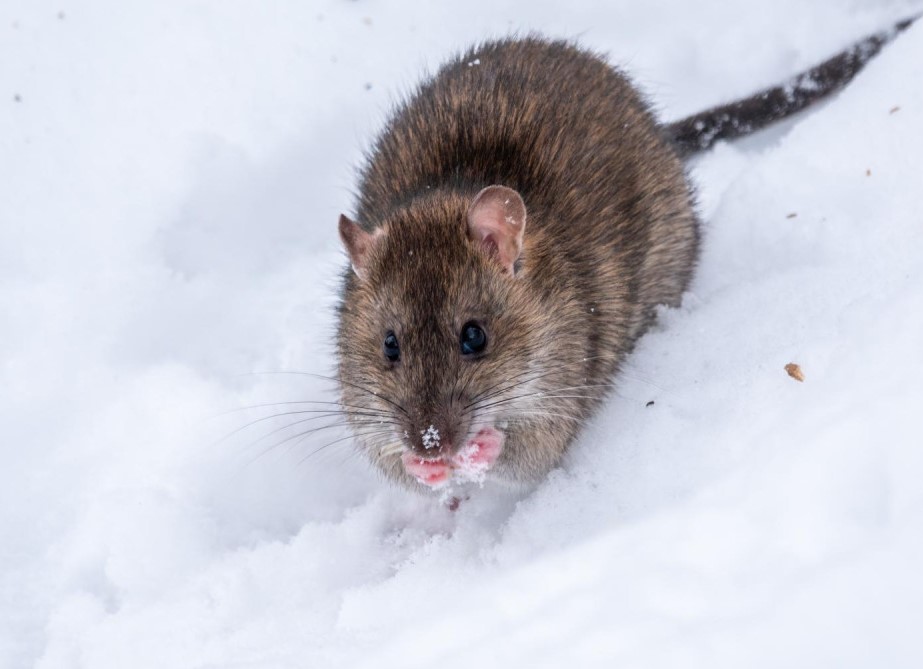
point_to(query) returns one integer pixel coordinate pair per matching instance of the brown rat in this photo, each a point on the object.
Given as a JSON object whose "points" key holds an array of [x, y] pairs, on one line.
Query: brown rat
{"points": [[519, 220]]}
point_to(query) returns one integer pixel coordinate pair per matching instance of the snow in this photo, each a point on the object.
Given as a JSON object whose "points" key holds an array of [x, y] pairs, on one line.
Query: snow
{"points": [[172, 175], [430, 437]]}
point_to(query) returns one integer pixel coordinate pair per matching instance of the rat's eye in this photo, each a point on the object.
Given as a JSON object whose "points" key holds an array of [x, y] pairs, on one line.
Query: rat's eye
{"points": [[391, 348], [473, 339]]}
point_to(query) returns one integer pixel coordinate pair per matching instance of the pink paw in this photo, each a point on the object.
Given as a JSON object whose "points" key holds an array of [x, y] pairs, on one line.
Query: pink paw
{"points": [[427, 472], [469, 464], [481, 452]]}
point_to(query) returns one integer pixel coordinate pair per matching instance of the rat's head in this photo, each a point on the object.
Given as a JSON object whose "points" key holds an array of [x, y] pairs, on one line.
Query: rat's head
{"points": [[436, 335]]}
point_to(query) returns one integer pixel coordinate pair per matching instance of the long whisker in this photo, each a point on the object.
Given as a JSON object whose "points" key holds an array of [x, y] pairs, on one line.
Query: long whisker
{"points": [[276, 404], [376, 421], [516, 380], [296, 438], [543, 414], [351, 384], [323, 413], [336, 441], [548, 392]]}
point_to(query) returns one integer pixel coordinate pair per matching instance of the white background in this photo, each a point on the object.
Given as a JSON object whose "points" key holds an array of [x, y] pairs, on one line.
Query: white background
{"points": [[170, 179]]}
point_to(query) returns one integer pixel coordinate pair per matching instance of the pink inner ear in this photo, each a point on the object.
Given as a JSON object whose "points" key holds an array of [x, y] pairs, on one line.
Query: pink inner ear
{"points": [[497, 217], [490, 244], [358, 243]]}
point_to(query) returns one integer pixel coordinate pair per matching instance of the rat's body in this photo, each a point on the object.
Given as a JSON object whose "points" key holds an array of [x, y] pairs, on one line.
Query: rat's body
{"points": [[521, 217]]}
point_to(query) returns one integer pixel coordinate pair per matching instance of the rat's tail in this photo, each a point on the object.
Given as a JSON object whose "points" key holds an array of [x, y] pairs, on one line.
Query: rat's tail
{"points": [[736, 119]]}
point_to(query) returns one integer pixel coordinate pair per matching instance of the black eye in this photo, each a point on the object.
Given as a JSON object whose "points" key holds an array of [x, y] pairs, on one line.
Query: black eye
{"points": [[473, 339], [391, 348]]}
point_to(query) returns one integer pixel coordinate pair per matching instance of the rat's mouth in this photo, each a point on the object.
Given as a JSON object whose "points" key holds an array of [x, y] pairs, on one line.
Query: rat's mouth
{"points": [[469, 464]]}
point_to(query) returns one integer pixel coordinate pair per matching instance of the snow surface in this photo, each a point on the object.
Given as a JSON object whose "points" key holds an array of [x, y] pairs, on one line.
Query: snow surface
{"points": [[171, 178]]}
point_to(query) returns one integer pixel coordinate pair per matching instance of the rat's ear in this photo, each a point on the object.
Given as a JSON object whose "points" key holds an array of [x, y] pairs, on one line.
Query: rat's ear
{"points": [[497, 219], [358, 243]]}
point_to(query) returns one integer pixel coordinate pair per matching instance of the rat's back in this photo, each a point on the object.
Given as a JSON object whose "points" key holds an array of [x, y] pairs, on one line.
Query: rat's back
{"points": [[567, 131]]}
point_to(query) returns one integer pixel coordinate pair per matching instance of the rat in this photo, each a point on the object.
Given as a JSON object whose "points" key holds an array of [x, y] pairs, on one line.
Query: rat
{"points": [[519, 220]]}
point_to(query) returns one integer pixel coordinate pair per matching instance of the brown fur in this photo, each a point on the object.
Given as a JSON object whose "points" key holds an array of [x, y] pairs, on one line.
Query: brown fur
{"points": [[610, 234]]}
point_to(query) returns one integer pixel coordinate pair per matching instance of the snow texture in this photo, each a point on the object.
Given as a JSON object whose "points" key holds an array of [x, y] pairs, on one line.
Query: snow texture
{"points": [[430, 437], [172, 174]]}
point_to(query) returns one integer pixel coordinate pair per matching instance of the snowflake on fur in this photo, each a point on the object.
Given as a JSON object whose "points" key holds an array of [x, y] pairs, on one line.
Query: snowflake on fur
{"points": [[430, 437]]}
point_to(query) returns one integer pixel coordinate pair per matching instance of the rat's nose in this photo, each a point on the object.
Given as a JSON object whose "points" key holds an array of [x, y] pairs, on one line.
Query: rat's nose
{"points": [[436, 432], [431, 439]]}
